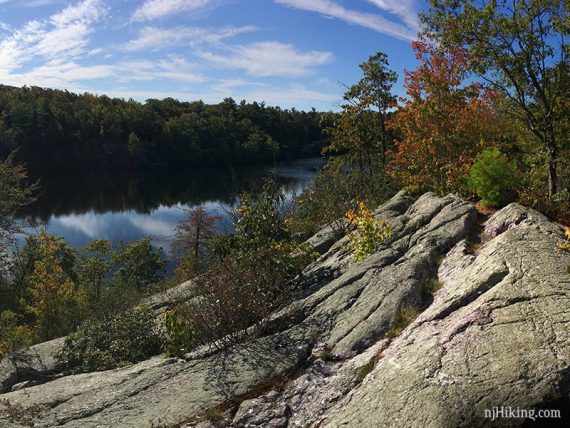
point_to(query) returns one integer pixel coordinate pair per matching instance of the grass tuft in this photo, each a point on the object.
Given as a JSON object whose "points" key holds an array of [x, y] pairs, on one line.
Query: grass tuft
{"points": [[404, 318]]}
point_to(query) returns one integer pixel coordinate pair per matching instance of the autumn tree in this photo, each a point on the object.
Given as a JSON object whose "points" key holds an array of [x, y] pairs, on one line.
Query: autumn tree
{"points": [[55, 301], [519, 48], [193, 237], [442, 122]]}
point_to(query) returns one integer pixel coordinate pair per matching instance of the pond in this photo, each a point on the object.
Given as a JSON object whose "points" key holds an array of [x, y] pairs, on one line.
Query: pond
{"points": [[123, 206]]}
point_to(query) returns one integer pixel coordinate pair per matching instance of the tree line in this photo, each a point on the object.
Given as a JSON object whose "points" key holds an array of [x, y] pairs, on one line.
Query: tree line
{"points": [[58, 129]]}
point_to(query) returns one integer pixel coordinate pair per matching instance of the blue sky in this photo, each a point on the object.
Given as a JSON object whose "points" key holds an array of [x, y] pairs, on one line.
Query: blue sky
{"points": [[291, 53]]}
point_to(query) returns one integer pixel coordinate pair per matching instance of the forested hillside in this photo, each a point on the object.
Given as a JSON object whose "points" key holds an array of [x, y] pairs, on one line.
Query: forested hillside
{"points": [[58, 129]]}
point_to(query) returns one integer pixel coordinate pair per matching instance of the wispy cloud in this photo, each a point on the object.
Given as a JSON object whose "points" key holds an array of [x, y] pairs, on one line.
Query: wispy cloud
{"points": [[404, 9], [61, 38], [52, 53], [39, 3], [33, 3], [173, 67], [376, 22], [154, 9], [153, 38], [293, 94], [269, 59]]}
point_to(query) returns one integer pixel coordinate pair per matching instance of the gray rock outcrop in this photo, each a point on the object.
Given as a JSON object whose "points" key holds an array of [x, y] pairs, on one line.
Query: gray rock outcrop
{"points": [[34, 365], [495, 334]]}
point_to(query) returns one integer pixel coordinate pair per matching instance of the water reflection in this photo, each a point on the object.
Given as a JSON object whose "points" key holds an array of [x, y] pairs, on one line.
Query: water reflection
{"points": [[123, 207]]}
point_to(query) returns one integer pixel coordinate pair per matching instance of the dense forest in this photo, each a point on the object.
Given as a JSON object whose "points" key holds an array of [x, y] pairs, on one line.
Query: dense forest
{"points": [[58, 129]]}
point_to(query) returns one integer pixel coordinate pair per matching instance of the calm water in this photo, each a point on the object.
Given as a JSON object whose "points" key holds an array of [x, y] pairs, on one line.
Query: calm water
{"points": [[127, 207]]}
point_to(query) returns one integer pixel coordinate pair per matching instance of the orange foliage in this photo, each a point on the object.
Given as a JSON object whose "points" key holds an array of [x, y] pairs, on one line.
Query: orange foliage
{"points": [[442, 123]]}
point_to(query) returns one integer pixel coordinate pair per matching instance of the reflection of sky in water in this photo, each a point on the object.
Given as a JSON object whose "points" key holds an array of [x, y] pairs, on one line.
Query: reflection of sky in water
{"points": [[78, 229]]}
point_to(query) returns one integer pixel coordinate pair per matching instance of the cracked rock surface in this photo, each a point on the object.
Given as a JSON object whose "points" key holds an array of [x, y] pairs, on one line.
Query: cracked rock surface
{"points": [[496, 333]]}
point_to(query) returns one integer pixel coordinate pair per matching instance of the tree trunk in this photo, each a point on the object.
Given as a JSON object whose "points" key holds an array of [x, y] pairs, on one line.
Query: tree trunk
{"points": [[552, 178], [552, 167], [383, 139]]}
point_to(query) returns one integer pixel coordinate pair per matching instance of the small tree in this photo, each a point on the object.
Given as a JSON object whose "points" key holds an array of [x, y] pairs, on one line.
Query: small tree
{"points": [[192, 242], [55, 301], [441, 123], [13, 334], [360, 130], [336, 189], [493, 177], [373, 91], [139, 265], [370, 232], [94, 263], [251, 277]]}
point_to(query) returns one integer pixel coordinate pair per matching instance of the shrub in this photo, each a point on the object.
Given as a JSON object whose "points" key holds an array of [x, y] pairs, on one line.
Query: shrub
{"points": [[180, 331], [556, 207], [13, 335], [18, 414], [252, 276], [493, 177], [334, 191], [370, 232], [116, 341], [240, 292]]}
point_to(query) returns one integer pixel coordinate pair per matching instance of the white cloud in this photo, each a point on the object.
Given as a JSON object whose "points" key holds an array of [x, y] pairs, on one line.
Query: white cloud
{"points": [[94, 226], [33, 3], [404, 9], [39, 3], [61, 38], [288, 95], [59, 75], [86, 11], [269, 59], [292, 95], [330, 8], [152, 227], [153, 9], [153, 38], [173, 67]]}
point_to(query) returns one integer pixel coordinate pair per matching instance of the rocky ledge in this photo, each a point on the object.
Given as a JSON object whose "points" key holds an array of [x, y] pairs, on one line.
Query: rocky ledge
{"points": [[492, 299]]}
